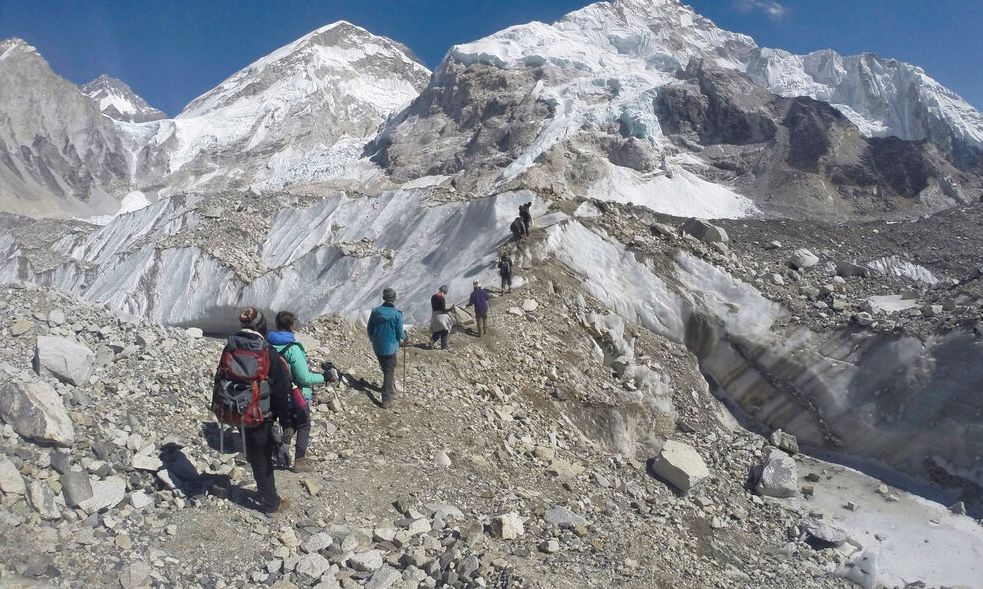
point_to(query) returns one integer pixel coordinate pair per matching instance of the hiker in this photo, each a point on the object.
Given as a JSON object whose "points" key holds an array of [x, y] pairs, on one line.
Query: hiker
{"points": [[481, 301], [252, 389], [526, 217], [505, 270], [295, 355], [518, 228], [387, 334], [441, 321]]}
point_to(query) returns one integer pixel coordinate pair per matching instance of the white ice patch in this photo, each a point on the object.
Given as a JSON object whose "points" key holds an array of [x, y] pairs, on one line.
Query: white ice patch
{"points": [[683, 195], [613, 276], [895, 266]]}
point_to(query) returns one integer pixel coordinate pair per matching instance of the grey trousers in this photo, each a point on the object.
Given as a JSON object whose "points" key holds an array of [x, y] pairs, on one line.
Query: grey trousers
{"points": [[482, 321], [388, 366]]}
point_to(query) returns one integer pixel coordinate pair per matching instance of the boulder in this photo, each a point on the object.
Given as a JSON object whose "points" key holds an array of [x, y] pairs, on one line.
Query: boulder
{"points": [[41, 498], [563, 517], [778, 476], [529, 305], [135, 575], [384, 578], [704, 231], [105, 495], [849, 270], [64, 359], [802, 259], [312, 565], [368, 561], [36, 412], [785, 441], [508, 526], [76, 486], [680, 465], [863, 319], [19, 328], [10, 480], [824, 531], [194, 333]]}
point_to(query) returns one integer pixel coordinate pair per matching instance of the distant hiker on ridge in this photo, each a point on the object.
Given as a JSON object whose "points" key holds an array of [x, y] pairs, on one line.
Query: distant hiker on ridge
{"points": [[441, 321], [518, 229], [505, 270], [526, 217], [295, 355], [481, 301], [252, 388], [386, 331]]}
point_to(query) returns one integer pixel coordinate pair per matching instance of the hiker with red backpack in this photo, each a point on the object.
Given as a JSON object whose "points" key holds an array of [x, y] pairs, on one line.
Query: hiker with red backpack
{"points": [[295, 356], [252, 389]]}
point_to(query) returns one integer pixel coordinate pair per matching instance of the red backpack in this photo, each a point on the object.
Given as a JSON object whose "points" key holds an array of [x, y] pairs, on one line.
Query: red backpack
{"points": [[242, 390]]}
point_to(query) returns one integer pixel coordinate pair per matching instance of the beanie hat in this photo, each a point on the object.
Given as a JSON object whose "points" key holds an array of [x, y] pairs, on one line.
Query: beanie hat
{"points": [[252, 318], [444, 289], [389, 295]]}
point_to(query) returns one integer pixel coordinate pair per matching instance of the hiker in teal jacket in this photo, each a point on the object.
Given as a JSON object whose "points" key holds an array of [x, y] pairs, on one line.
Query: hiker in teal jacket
{"points": [[387, 334], [293, 352]]}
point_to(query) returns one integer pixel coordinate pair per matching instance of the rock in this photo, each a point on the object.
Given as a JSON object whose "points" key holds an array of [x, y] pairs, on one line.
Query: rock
{"points": [[785, 441], [564, 517], [443, 459], [679, 465], [194, 333], [773, 245], [862, 570], [19, 328], [803, 259], [549, 546], [105, 495], [824, 531], [288, 537], [36, 412], [565, 469], [56, 317], [64, 359], [76, 486], [368, 561], [778, 476], [384, 578], [508, 526], [312, 565], [148, 463], [41, 498], [863, 319], [958, 508], [704, 231], [777, 279], [932, 310], [135, 575], [140, 499], [849, 270], [312, 486], [318, 542], [529, 305], [10, 480]]}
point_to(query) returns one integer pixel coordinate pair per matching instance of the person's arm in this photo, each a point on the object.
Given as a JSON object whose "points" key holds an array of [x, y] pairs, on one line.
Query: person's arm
{"points": [[400, 331], [298, 369], [470, 299]]}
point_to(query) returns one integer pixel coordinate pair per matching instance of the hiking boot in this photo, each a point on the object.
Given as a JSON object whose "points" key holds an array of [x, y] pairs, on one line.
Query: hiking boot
{"points": [[387, 403], [282, 506], [302, 465]]}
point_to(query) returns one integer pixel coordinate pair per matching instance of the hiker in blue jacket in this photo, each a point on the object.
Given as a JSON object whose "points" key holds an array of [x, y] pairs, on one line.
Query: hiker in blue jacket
{"points": [[481, 301], [387, 334], [293, 352]]}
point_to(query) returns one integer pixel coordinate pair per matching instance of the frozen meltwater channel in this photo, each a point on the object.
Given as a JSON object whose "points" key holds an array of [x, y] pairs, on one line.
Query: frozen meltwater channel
{"points": [[733, 330]]}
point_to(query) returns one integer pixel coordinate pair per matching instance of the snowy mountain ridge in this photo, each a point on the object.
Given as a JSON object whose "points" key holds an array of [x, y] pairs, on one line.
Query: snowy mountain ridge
{"points": [[118, 101]]}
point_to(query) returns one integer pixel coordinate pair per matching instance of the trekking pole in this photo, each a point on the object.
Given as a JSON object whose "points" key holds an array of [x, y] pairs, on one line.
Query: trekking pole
{"points": [[404, 370]]}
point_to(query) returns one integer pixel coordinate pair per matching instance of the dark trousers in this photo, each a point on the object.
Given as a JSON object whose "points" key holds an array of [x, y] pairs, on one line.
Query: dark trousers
{"points": [[482, 320], [442, 336], [259, 453], [304, 432], [506, 281], [388, 366]]}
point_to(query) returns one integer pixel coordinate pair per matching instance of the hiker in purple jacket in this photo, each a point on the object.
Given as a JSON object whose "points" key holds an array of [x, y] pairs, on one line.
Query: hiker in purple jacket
{"points": [[481, 300]]}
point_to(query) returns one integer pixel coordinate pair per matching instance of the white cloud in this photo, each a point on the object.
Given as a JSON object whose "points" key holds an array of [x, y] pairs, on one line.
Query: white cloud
{"points": [[774, 10]]}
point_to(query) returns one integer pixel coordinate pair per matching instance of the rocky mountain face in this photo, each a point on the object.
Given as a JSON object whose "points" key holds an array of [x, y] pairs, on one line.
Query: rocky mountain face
{"points": [[588, 107], [58, 154], [117, 101]]}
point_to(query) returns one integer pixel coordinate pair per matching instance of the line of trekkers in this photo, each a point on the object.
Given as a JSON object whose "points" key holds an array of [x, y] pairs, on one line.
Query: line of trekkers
{"points": [[263, 376]]}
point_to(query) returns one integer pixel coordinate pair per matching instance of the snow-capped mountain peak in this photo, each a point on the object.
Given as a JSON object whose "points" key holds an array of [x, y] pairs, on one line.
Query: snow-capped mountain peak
{"points": [[118, 101], [14, 46]]}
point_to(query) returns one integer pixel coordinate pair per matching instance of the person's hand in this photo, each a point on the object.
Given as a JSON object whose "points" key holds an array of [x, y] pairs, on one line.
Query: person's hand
{"points": [[288, 433]]}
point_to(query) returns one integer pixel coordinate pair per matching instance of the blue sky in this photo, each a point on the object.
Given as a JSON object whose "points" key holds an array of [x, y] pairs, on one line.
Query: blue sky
{"points": [[170, 51]]}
